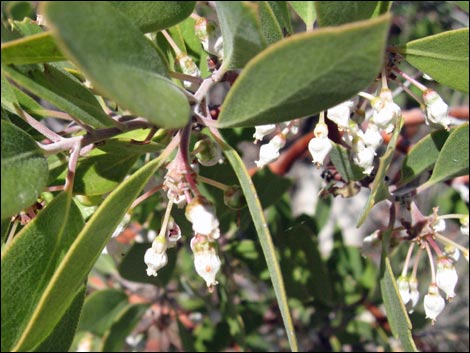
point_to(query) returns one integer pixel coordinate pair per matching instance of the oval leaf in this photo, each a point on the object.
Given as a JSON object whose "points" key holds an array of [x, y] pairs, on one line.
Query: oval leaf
{"points": [[306, 11], [269, 25], [335, 13], [281, 11], [38, 48], [306, 73], [453, 158], [152, 16], [24, 170], [443, 56], [118, 60], [241, 32], [81, 256], [34, 255]]}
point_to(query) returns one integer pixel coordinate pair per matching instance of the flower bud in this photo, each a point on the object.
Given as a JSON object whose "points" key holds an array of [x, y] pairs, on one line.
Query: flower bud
{"points": [[234, 198], [436, 109], [433, 303], [446, 277], [404, 289], [209, 153]]}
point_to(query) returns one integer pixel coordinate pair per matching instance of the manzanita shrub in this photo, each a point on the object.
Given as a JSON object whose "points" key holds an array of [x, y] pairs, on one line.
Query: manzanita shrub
{"points": [[122, 130]]}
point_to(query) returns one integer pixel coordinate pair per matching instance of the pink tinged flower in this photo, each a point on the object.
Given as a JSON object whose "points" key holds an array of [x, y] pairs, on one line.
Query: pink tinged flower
{"points": [[414, 294], [436, 109], [263, 130], [319, 148], [206, 261], [202, 215], [154, 260], [270, 152], [364, 158], [433, 303], [340, 114], [173, 234], [404, 289], [446, 277]]}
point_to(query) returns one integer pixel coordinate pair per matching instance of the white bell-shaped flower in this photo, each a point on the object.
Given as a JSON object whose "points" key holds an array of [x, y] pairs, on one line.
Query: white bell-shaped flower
{"points": [[263, 130], [436, 109], [446, 277], [372, 136], [202, 215], [364, 158], [386, 111], [155, 259], [319, 148], [404, 289], [414, 294], [340, 113], [269, 152], [433, 303], [206, 261], [173, 233], [439, 226]]}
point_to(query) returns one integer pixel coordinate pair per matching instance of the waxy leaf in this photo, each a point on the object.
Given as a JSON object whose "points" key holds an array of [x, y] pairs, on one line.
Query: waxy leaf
{"points": [[306, 73], [117, 58], [38, 48], [335, 13], [443, 56], [306, 11], [24, 170], [151, 16], [34, 256], [241, 32]]}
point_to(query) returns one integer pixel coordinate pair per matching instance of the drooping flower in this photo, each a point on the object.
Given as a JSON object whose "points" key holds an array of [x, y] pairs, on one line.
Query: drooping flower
{"points": [[446, 277], [436, 109], [263, 130], [269, 152], [371, 137], [364, 158], [386, 111], [433, 303], [414, 294], [404, 289], [320, 146], [340, 113], [155, 257], [206, 261], [201, 214]]}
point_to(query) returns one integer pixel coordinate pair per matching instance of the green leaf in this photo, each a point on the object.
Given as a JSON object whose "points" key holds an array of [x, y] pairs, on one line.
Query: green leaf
{"points": [[462, 4], [151, 16], [115, 338], [97, 175], [269, 25], [27, 27], [335, 13], [119, 61], [281, 11], [9, 100], [79, 259], [306, 11], [38, 48], [24, 170], [351, 57], [443, 56], [264, 238], [396, 311], [18, 10], [379, 188], [65, 92], [241, 32], [101, 309], [62, 336], [453, 158], [340, 158], [423, 155], [133, 267], [34, 256]]}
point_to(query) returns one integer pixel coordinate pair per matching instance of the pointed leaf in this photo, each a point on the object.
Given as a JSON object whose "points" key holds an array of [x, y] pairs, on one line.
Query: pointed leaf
{"points": [[423, 155], [62, 336], [24, 170], [9, 100], [38, 48], [151, 16], [340, 158], [34, 256], [80, 257], [281, 11], [265, 239], [241, 32], [453, 158], [269, 25], [100, 310], [335, 13], [306, 11], [351, 56], [379, 188], [443, 56], [115, 338], [119, 60], [67, 94]]}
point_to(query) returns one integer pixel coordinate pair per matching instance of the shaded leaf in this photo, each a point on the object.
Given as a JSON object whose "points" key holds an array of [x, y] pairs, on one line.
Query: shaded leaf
{"points": [[100, 310], [241, 32], [115, 338], [34, 256], [379, 188], [423, 155], [62, 336], [351, 56], [340, 158], [38, 48], [306, 11], [119, 61], [152, 16], [281, 11], [335, 13], [9, 100], [443, 56], [269, 24], [453, 158], [24, 170], [65, 92]]}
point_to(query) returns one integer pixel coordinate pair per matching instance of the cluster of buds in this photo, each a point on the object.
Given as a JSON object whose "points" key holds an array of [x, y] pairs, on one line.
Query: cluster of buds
{"points": [[175, 182], [444, 276]]}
